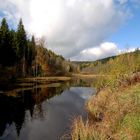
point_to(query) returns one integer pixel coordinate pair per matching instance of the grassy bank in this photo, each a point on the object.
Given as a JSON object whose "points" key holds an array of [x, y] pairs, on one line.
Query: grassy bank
{"points": [[113, 114]]}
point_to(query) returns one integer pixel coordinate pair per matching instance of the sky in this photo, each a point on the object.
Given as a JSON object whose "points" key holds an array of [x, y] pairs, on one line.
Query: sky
{"points": [[81, 30]]}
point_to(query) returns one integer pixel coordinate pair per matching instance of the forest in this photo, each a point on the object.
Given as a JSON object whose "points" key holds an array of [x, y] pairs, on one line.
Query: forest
{"points": [[22, 55], [113, 64]]}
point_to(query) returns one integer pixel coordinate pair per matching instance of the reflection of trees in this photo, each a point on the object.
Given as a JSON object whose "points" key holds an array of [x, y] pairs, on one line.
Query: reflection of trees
{"points": [[13, 109], [41, 94], [81, 82]]}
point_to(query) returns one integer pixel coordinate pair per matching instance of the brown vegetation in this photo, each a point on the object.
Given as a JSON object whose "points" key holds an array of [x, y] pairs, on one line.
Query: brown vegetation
{"points": [[117, 65], [112, 115]]}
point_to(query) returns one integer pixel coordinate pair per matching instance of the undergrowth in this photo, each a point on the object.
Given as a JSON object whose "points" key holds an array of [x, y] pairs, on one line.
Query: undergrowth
{"points": [[114, 113]]}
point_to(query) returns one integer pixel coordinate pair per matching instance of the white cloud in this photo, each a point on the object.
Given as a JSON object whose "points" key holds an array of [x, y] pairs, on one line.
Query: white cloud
{"points": [[70, 26], [103, 50], [130, 49]]}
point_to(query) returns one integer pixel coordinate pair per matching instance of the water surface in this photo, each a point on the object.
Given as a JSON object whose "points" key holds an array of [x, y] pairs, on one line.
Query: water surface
{"points": [[42, 112]]}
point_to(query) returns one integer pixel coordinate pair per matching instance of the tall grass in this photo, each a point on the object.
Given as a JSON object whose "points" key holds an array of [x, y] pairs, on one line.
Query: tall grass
{"points": [[112, 116], [84, 131]]}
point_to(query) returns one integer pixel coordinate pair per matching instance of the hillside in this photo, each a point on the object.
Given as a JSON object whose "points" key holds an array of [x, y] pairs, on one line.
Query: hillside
{"points": [[113, 64], [47, 63]]}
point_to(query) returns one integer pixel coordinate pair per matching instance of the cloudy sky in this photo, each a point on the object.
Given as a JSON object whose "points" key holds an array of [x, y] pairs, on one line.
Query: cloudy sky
{"points": [[79, 29]]}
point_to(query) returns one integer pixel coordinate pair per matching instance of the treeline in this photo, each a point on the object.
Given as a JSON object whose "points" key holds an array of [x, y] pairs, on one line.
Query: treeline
{"points": [[115, 65], [113, 69], [22, 56], [15, 49]]}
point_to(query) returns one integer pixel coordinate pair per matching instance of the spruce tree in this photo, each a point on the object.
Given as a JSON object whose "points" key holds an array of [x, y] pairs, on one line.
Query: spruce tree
{"points": [[6, 51], [13, 46], [31, 54], [33, 49], [22, 46]]}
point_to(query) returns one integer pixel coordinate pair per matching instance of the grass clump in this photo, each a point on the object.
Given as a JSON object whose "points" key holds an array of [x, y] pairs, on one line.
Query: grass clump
{"points": [[84, 131]]}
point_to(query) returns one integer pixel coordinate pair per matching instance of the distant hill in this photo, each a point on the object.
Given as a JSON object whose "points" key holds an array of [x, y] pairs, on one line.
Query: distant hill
{"points": [[105, 65]]}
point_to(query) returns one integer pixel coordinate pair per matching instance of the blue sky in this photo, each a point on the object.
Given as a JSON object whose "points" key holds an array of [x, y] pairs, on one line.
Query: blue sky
{"points": [[79, 29], [128, 35]]}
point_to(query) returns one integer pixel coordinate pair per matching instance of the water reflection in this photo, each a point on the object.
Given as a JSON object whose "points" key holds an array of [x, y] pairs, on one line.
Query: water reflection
{"points": [[41, 113]]}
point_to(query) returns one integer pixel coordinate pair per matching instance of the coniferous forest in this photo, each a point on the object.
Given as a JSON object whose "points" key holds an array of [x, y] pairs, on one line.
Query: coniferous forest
{"points": [[23, 56]]}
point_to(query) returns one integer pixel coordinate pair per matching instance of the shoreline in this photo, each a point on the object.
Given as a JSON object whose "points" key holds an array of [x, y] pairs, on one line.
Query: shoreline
{"points": [[108, 113]]}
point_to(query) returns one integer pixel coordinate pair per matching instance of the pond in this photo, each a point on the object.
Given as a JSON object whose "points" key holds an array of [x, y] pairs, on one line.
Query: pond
{"points": [[42, 112]]}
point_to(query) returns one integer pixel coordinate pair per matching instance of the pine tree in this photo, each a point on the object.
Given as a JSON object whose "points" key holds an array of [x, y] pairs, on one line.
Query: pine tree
{"points": [[6, 51], [13, 46], [22, 46], [33, 49], [30, 57]]}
